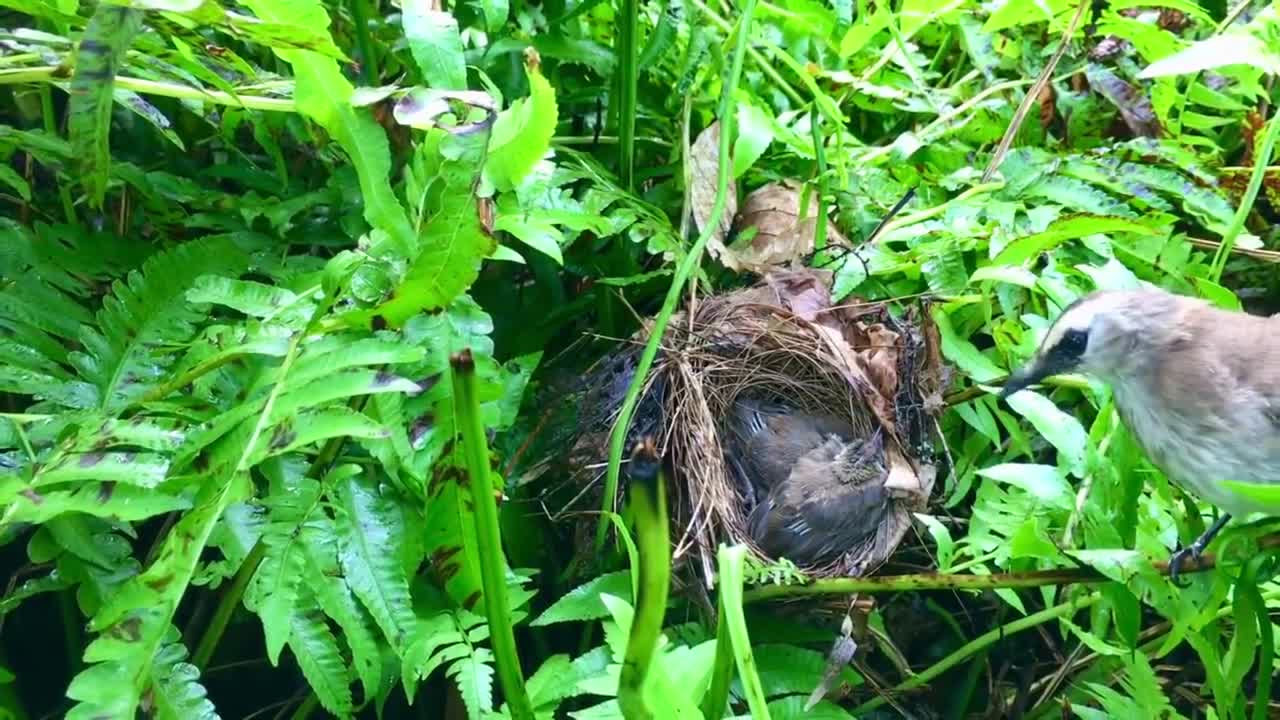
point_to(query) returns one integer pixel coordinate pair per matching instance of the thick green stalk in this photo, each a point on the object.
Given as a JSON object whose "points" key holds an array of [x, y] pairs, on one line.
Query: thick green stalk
{"points": [[819, 153], [628, 59], [716, 701], [488, 536], [732, 561], [649, 503], [685, 269], [1251, 608]]}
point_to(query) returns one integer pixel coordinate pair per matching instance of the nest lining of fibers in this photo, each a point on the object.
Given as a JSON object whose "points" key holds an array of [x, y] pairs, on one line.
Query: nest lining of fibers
{"points": [[782, 341]]}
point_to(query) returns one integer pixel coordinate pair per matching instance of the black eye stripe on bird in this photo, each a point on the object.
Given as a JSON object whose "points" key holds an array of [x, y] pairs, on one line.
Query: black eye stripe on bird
{"points": [[1196, 385]]}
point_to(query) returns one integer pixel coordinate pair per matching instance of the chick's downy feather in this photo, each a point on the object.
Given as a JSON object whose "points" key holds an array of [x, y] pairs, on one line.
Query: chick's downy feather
{"points": [[833, 499]]}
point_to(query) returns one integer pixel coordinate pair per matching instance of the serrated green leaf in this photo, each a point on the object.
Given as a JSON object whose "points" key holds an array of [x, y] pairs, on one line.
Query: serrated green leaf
{"points": [[323, 94], [963, 353], [369, 531], [1061, 429], [336, 599], [177, 692], [584, 602], [473, 675], [449, 260], [251, 298], [310, 428], [316, 649], [1044, 482], [131, 623], [146, 310], [1067, 228]]}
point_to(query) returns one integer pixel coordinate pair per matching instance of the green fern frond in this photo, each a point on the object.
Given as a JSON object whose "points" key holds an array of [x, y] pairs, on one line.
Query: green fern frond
{"points": [[274, 590], [1077, 195], [145, 312], [313, 644], [473, 675], [177, 693], [335, 597], [370, 527]]}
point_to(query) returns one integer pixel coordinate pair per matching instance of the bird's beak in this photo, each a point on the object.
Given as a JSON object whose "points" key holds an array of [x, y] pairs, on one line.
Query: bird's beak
{"points": [[1024, 377]]}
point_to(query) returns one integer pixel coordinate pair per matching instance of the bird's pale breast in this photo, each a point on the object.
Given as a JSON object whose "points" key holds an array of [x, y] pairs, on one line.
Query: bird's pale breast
{"points": [[1199, 445]]}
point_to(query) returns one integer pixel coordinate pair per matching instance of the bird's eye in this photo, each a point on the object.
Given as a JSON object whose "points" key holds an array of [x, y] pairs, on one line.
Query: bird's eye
{"points": [[1074, 341]]}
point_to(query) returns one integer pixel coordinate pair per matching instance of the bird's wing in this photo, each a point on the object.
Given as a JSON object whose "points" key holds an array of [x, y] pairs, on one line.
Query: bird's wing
{"points": [[1224, 370], [814, 516]]}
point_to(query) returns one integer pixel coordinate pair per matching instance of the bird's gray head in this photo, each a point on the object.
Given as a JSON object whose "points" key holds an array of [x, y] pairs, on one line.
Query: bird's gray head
{"points": [[1103, 334]]}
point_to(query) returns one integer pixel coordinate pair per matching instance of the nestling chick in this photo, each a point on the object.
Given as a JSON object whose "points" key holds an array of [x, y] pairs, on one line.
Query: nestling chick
{"points": [[1197, 386], [820, 489]]}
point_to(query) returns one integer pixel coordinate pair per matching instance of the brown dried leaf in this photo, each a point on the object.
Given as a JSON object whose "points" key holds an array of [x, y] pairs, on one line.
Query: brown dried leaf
{"points": [[781, 234], [881, 356], [804, 292], [704, 158]]}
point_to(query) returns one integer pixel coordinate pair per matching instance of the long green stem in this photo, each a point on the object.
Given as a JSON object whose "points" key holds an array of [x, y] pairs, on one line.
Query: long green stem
{"points": [[1260, 162], [227, 605], [51, 127], [819, 153], [685, 269], [488, 535], [49, 74], [913, 582], [628, 61], [980, 643], [756, 56], [649, 503]]}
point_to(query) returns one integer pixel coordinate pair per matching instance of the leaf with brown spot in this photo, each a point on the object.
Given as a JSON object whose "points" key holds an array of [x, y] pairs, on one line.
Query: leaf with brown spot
{"points": [[128, 629], [90, 459], [449, 524], [159, 583], [282, 436]]}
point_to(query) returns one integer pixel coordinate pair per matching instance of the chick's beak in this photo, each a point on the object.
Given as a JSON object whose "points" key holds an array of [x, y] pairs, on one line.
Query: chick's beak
{"points": [[1024, 377]]}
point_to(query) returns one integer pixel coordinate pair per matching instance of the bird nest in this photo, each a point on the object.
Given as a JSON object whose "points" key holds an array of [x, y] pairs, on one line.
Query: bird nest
{"points": [[782, 338]]}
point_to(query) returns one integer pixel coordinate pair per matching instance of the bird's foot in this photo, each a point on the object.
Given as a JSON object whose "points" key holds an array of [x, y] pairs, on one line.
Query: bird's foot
{"points": [[1195, 549], [1191, 552]]}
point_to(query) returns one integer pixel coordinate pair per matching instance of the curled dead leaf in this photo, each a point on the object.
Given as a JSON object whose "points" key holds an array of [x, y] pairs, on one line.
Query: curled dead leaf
{"points": [[773, 231], [704, 165]]}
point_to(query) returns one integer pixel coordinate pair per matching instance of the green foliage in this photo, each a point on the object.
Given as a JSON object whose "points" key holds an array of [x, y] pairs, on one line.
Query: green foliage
{"points": [[231, 282]]}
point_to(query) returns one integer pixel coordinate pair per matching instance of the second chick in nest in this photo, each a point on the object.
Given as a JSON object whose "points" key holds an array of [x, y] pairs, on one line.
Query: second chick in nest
{"points": [[817, 483]]}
